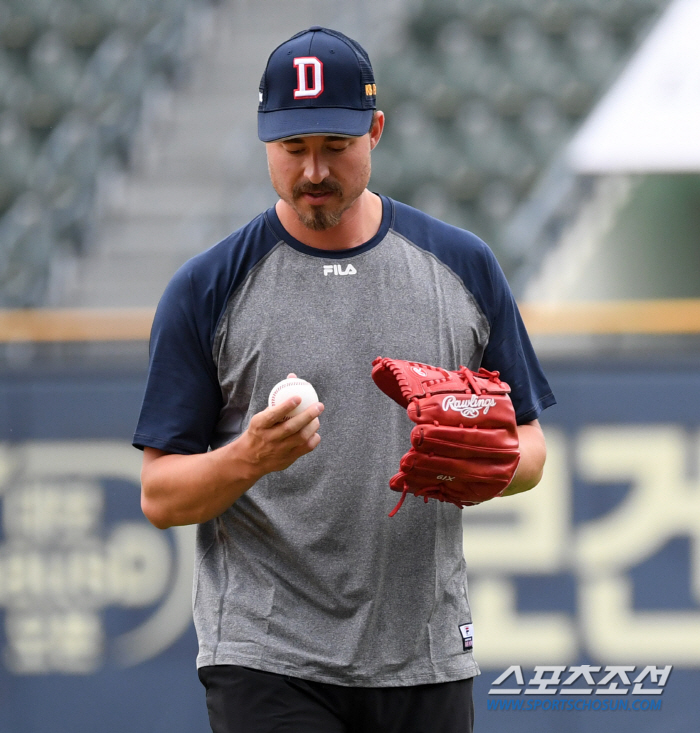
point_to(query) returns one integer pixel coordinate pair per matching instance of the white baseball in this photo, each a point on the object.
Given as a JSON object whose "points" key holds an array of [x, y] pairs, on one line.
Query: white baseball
{"points": [[293, 387]]}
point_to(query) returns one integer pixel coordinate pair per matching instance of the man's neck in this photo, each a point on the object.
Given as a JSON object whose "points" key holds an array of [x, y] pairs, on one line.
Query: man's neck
{"points": [[357, 225]]}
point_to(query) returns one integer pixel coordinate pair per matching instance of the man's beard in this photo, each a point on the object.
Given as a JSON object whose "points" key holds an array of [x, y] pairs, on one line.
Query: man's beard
{"points": [[319, 218], [323, 216]]}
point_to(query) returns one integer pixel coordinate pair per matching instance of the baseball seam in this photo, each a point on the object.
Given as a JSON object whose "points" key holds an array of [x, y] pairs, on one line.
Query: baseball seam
{"points": [[277, 389]]}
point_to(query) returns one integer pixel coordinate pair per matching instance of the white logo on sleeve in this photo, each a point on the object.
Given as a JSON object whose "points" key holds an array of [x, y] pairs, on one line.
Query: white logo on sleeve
{"points": [[338, 270], [309, 69]]}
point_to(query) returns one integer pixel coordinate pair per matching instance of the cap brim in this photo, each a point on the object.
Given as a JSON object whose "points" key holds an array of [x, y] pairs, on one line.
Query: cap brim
{"points": [[286, 123]]}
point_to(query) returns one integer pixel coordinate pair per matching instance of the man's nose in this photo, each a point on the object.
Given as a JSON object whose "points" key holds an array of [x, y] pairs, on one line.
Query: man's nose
{"points": [[316, 168]]}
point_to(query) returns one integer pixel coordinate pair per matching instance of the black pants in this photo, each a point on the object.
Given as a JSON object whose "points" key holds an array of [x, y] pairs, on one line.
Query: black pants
{"points": [[243, 700]]}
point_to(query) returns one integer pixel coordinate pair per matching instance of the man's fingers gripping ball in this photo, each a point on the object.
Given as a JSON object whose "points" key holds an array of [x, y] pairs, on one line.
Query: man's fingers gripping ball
{"points": [[293, 387], [289, 402], [464, 447], [275, 443]]}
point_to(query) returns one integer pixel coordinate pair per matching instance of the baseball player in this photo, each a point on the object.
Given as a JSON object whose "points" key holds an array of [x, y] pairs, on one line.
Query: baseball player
{"points": [[315, 611]]}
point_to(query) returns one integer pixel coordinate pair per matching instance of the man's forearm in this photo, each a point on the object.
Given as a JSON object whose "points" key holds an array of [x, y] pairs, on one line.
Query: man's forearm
{"points": [[533, 452], [189, 489]]}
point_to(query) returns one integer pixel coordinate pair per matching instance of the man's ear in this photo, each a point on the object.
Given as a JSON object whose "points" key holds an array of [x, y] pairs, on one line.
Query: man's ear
{"points": [[375, 132]]}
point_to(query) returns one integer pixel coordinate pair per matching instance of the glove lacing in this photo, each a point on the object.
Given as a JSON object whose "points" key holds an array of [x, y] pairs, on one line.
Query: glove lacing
{"points": [[441, 492]]}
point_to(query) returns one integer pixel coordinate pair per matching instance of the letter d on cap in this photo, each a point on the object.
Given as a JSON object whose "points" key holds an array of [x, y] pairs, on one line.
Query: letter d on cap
{"points": [[302, 91]]}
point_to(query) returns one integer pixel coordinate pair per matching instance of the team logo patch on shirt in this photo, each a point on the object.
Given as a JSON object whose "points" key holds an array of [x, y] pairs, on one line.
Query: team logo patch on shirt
{"points": [[467, 632]]}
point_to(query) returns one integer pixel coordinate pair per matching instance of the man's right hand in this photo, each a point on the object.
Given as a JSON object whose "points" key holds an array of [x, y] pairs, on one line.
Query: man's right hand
{"points": [[272, 443]]}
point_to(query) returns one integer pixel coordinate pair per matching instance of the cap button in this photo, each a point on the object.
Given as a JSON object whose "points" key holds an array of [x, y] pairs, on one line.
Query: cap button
{"points": [[316, 28]]}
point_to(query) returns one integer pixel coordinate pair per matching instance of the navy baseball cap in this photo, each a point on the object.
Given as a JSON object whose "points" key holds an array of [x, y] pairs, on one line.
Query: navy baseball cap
{"points": [[319, 82]]}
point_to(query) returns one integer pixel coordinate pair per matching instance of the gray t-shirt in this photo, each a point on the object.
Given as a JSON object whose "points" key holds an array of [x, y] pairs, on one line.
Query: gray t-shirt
{"points": [[305, 574]]}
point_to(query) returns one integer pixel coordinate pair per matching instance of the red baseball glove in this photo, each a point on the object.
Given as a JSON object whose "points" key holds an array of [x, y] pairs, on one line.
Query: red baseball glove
{"points": [[465, 442]]}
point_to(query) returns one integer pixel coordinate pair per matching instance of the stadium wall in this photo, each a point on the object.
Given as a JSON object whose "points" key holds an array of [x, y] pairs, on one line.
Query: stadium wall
{"points": [[599, 565]]}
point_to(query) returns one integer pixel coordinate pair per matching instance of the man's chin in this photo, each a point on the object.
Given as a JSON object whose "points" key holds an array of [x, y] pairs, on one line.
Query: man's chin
{"points": [[319, 219], [320, 223]]}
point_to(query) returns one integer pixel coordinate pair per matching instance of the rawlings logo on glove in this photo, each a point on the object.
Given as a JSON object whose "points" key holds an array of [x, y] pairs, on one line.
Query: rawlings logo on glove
{"points": [[469, 408], [464, 463]]}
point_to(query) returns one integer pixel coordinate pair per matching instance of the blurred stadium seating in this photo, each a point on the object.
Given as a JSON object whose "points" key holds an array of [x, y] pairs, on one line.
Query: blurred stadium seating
{"points": [[498, 88], [73, 74], [481, 96]]}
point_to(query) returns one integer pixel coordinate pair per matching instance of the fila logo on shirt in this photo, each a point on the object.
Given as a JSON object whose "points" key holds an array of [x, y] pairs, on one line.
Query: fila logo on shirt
{"points": [[338, 270], [309, 77]]}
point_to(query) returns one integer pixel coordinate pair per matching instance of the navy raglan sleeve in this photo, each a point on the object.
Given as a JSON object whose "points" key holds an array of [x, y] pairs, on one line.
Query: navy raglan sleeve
{"points": [[183, 399], [509, 350]]}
